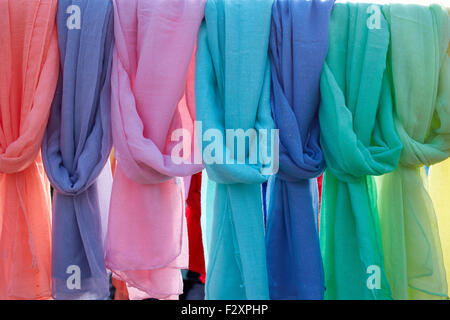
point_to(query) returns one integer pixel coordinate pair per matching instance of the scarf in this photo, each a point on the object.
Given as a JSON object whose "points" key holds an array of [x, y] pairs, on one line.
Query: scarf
{"points": [[152, 97], [359, 140], [439, 191], [193, 218], [421, 84], [28, 76], [298, 47], [76, 147], [233, 81]]}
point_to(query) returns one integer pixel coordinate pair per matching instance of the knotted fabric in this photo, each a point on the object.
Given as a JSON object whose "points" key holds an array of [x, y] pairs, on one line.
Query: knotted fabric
{"points": [[298, 47], [29, 64], [76, 147], [152, 96], [421, 81], [233, 92], [359, 140]]}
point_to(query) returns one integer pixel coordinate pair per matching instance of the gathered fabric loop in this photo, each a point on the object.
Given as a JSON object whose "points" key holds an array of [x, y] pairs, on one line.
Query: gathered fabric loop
{"points": [[152, 100], [414, 258], [28, 78], [359, 140], [233, 93], [292, 241]]}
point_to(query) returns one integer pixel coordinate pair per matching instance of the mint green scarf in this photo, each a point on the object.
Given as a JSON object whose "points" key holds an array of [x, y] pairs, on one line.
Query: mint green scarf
{"points": [[421, 82], [359, 140]]}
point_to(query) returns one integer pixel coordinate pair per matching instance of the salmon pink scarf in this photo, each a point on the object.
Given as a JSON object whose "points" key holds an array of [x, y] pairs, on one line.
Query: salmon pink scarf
{"points": [[29, 62], [152, 95]]}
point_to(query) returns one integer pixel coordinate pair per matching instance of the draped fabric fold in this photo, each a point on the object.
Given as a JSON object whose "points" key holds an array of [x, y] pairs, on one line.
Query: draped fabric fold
{"points": [[421, 84], [298, 47], [233, 82], [28, 76], [359, 139], [76, 148], [152, 99]]}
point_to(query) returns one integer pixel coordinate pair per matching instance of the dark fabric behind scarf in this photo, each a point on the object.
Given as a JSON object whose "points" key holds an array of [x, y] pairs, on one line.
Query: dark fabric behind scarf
{"points": [[298, 47], [76, 147]]}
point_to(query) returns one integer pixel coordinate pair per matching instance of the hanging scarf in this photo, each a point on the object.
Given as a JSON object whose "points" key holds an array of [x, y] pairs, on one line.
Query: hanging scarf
{"points": [[358, 139], [193, 217], [440, 194], [421, 82], [28, 75], [298, 47], [75, 149], [147, 236], [233, 81]]}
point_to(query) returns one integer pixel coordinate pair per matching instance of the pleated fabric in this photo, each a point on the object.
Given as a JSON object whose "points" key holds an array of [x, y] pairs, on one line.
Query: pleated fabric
{"points": [[421, 84], [76, 148], [152, 96], [298, 47], [233, 81], [359, 140], [29, 64]]}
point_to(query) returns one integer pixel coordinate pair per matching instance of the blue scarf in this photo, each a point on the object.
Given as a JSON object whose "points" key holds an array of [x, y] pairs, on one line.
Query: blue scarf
{"points": [[75, 149], [298, 47]]}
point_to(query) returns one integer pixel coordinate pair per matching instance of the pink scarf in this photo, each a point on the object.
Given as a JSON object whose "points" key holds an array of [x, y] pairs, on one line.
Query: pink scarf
{"points": [[152, 95]]}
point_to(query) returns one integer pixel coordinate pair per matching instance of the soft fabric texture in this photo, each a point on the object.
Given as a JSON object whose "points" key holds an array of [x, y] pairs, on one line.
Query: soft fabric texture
{"points": [[76, 148], [193, 218], [298, 47], [359, 140], [421, 87], [439, 179], [29, 62], [152, 84], [233, 82]]}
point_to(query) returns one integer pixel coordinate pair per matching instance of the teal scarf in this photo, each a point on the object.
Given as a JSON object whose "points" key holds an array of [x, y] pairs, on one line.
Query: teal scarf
{"points": [[233, 92], [359, 139]]}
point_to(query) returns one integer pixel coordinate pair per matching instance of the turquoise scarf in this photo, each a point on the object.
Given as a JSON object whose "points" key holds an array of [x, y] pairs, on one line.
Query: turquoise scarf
{"points": [[233, 92]]}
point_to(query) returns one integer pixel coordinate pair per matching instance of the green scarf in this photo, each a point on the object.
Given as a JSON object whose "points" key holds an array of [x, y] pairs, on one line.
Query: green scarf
{"points": [[359, 140], [421, 82]]}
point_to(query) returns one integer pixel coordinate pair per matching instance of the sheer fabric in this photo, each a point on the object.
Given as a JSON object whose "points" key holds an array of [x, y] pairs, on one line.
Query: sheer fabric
{"points": [[152, 96], [233, 82], [76, 148], [359, 140], [421, 84], [29, 64], [298, 47]]}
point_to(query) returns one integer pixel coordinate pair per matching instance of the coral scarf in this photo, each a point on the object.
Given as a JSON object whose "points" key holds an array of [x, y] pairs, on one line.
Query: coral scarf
{"points": [[233, 82], [29, 64], [147, 236], [298, 47], [421, 82], [358, 139], [76, 147]]}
